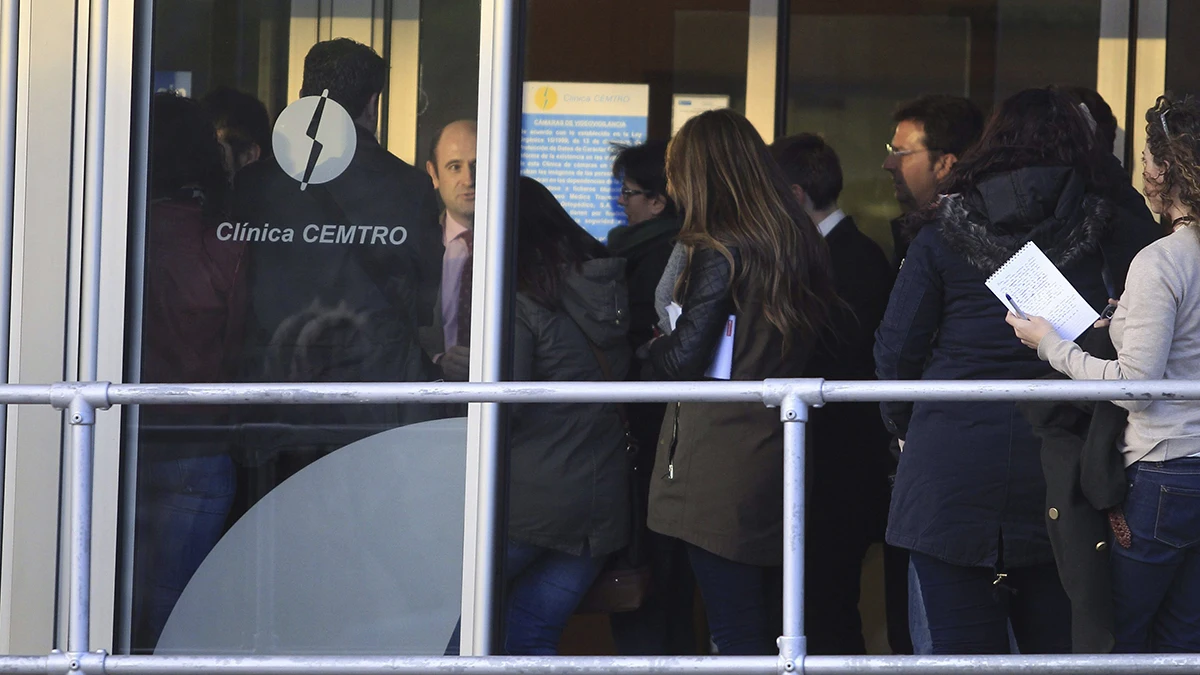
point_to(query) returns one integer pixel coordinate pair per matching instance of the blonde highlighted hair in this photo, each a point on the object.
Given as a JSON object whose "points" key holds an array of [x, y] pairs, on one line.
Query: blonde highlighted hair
{"points": [[734, 195]]}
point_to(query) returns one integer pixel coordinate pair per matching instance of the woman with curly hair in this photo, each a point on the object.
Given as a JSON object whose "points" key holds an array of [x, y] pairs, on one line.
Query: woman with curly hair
{"points": [[1156, 333]]}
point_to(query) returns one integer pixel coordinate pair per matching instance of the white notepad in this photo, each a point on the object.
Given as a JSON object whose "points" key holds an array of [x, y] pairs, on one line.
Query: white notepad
{"points": [[1030, 283], [721, 367]]}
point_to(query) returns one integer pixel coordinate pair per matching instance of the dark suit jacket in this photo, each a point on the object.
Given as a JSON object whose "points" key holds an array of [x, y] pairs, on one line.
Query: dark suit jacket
{"points": [[848, 442]]}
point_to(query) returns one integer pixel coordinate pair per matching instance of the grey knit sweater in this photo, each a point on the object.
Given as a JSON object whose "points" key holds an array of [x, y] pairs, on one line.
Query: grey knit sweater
{"points": [[1156, 330], [665, 292]]}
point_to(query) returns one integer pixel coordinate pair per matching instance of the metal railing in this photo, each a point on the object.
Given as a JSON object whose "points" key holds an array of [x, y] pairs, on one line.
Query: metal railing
{"points": [[80, 401]]}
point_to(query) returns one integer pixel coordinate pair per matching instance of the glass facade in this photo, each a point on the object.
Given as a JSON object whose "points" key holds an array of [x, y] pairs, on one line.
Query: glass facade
{"points": [[852, 63], [301, 228], [319, 235]]}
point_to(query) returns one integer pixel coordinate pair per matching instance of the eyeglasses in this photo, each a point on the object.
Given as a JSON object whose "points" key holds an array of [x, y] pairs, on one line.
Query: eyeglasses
{"points": [[892, 152], [627, 193]]}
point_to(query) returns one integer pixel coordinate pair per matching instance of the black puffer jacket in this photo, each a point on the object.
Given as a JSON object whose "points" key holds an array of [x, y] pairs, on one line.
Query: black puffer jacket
{"points": [[970, 474], [569, 474]]}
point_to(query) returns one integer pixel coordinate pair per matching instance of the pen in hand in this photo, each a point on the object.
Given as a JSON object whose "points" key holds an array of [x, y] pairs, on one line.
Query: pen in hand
{"points": [[1015, 307]]}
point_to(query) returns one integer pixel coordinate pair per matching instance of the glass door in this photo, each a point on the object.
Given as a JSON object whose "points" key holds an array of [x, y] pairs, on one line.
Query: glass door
{"points": [[308, 217], [851, 64]]}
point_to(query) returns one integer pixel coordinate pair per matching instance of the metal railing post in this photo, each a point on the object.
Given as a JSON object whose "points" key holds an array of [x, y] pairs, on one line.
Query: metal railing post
{"points": [[793, 411], [80, 402], [81, 416], [93, 192]]}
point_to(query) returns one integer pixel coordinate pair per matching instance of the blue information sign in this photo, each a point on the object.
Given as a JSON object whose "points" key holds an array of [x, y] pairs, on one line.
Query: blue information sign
{"points": [[568, 130]]}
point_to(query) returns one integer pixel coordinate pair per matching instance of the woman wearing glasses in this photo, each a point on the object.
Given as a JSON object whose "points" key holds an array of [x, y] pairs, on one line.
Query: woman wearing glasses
{"points": [[969, 496], [756, 267], [1156, 332]]}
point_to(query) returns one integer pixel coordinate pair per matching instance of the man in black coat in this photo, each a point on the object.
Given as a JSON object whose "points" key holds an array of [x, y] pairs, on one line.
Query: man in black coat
{"points": [[343, 266], [848, 444]]}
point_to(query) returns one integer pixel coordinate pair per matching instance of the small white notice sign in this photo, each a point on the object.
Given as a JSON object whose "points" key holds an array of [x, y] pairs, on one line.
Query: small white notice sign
{"points": [[686, 106]]}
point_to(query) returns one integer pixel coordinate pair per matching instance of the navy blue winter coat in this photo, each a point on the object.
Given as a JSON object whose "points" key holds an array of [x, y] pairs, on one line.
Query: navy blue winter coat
{"points": [[970, 475]]}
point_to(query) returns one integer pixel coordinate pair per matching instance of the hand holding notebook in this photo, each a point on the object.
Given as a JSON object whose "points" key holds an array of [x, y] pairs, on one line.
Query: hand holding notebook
{"points": [[1030, 285]]}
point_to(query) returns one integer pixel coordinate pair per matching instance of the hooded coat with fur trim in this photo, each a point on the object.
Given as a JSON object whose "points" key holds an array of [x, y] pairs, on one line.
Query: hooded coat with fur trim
{"points": [[970, 477]]}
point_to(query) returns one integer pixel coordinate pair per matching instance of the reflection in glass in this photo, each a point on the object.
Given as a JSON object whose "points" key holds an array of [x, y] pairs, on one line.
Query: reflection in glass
{"points": [[852, 62], [286, 242], [327, 562], [194, 309]]}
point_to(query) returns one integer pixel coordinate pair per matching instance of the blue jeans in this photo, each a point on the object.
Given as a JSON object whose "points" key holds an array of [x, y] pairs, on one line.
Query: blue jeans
{"points": [[544, 588], [969, 613], [182, 505], [744, 603], [1156, 582]]}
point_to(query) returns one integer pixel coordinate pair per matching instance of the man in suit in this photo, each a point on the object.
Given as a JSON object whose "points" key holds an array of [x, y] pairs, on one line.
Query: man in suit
{"points": [[848, 444], [451, 165]]}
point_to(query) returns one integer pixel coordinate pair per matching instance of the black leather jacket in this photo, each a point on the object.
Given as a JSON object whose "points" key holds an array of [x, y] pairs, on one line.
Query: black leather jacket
{"points": [[687, 352]]}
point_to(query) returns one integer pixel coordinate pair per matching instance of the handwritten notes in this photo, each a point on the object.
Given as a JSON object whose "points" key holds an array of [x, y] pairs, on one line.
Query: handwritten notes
{"points": [[1030, 283]]}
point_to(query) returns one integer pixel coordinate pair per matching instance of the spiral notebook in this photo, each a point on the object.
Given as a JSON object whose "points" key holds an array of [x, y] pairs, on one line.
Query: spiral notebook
{"points": [[1030, 283]]}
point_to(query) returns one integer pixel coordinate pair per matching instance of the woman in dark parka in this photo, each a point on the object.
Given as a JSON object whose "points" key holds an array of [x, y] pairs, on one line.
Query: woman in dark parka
{"points": [[969, 497], [568, 497]]}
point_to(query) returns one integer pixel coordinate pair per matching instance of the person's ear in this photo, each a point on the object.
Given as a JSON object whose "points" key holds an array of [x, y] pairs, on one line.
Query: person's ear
{"points": [[433, 174], [943, 165], [658, 204], [370, 114], [800, 194], [250, 156]]}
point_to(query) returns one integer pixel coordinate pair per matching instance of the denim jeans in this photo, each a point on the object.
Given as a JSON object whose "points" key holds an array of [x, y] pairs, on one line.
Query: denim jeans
{"points": [[181, 512], [1156, 582], [969, 613], [544, 588], [744, 603]]}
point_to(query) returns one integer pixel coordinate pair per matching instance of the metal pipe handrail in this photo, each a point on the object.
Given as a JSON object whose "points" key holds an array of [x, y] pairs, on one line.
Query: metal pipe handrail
{"points": [[96, 663], [81, 400], [813, 392]]}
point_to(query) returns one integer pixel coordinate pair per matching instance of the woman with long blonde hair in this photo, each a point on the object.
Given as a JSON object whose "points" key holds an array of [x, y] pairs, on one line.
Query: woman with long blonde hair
{"points": [[757, 272]]}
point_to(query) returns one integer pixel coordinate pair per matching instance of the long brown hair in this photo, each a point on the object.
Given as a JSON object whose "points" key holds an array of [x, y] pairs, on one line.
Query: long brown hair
{"points": [[734, 195]]}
